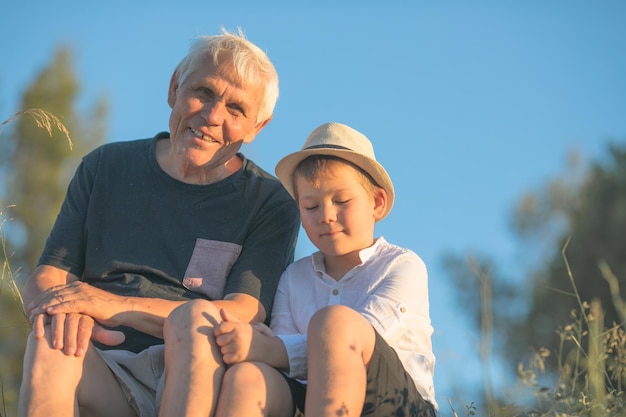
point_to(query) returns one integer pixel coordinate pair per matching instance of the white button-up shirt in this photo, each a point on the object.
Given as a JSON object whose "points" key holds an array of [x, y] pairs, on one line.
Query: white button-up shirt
{"points": [[389, 288]]}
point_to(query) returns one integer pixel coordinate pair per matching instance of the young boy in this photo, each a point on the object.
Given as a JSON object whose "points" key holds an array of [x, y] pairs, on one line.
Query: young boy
{"points": [[351, 322]]}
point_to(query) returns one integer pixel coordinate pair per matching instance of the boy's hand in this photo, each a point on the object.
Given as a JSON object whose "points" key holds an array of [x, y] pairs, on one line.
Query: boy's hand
{"points": [[236, 339]]}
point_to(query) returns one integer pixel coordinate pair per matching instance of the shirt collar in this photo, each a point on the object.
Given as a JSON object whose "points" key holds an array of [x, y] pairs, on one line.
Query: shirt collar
{"points": [[364, 254]]}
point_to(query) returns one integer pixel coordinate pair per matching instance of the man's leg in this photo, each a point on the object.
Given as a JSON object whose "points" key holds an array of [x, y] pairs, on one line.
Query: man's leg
{"points": [[193, 362], [54, 384], [254, 389], [340, 343]]}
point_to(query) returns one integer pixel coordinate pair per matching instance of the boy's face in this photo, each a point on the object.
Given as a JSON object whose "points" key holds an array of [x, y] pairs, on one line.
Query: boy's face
{"points": [[338, 213]]}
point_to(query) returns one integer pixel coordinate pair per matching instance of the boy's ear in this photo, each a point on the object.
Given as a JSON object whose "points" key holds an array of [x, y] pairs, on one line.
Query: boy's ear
{"points": [[380, 203]]}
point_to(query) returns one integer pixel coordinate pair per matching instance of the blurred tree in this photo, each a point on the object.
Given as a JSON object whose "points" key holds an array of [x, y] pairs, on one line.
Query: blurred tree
{"points": [[37, 164], [569, 231], [13, 332], [595, 233]]}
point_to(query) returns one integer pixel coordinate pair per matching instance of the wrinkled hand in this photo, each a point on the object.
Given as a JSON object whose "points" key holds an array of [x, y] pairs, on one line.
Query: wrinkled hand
{"points": [[72, 332], [79, 298], [73, 312], [236, 339]]}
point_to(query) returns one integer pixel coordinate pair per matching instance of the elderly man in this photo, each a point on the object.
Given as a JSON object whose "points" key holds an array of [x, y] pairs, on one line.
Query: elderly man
{"points": [[150, 224]]}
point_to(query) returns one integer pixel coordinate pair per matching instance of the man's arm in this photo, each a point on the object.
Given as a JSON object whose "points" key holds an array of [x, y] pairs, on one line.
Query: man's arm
{"points": [[74, 310], [51, 295]]}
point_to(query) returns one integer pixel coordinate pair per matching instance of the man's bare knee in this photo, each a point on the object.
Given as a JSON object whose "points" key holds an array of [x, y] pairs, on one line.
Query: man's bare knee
{"points": [[190, 314]]}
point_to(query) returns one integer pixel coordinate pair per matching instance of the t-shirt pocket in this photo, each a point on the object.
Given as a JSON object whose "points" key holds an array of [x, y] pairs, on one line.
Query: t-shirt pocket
{"points": [[209, 267]]}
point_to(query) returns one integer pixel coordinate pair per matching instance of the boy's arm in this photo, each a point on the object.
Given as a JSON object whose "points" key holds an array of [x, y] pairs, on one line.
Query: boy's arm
{"points": [[400, 302]]}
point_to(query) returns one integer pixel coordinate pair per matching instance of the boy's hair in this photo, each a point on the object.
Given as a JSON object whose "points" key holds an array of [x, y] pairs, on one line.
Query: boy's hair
{"points": [[343, 142], [313, 167]]}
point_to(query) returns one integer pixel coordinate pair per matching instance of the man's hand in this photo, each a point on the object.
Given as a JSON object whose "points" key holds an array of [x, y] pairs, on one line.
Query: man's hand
{"points": [[72, 332], [78, 298]]}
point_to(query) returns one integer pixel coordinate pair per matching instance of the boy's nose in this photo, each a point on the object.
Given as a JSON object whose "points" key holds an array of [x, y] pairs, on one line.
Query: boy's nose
{"points": [[328, 213]]}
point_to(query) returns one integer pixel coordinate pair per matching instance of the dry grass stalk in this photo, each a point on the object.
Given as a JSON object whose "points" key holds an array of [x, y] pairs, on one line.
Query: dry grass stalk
{"points": [[596, 367], [7, 271], [44, 120], [610, 277]]}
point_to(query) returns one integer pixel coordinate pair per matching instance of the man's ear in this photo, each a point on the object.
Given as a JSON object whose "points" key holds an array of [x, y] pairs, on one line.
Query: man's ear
{"points": [[172, 90], [380, 203], [257, 128]]}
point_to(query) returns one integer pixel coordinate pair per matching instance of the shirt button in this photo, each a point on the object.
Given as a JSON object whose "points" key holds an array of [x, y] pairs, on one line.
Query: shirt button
{"points": [[335, 291], [402, 310]]}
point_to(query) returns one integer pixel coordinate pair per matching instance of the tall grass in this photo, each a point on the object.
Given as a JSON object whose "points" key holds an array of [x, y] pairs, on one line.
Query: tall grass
{"points": [[591, 362], [44, 119], [48, 122]]}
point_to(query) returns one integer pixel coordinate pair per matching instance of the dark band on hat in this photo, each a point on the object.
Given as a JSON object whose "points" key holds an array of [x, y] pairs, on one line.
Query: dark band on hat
{"points": [[327, 147]]}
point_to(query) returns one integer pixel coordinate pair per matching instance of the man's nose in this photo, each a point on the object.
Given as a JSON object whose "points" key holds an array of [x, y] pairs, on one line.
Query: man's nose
{"points": [[214, 112]]}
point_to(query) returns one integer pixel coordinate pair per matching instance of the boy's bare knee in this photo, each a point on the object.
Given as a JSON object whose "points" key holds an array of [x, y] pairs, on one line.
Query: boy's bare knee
{"points": [[335, 318], [333, 328], [243, 374]]}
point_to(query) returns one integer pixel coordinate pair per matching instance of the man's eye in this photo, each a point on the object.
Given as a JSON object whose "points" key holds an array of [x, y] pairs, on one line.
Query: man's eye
{"points": [[204, 92], [235, 110]]}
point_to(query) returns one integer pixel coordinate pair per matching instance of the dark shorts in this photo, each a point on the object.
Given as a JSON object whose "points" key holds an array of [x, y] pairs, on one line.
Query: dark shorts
{"points": [[390, 389]]}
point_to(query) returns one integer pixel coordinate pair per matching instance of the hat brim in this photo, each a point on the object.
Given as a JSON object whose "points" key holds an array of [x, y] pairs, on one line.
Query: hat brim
{"points": [[285, 168]]}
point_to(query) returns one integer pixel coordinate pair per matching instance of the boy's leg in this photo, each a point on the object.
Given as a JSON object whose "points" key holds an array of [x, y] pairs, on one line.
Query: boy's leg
{"points": [[354, 372], [193, 362], [340, 344], [54, 384], [390, 389], [254, 389]]}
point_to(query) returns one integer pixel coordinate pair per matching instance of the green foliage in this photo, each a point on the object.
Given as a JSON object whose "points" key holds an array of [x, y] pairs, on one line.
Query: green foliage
{"points": [[589, 378], [37, 162], [583, 211], [576, 309], [595, 237], [584, 372], [14, 329]]}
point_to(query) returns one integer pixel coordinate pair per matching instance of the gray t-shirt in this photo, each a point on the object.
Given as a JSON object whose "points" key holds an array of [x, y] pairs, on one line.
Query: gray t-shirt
{"points": [[129, 228]]}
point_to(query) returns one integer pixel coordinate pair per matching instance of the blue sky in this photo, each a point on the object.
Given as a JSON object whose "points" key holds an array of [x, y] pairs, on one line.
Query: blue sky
{"points": [[468, 105]]}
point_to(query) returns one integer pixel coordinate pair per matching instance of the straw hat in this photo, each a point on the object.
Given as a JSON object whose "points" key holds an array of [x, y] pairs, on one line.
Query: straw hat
{"points": [[344, 142]]}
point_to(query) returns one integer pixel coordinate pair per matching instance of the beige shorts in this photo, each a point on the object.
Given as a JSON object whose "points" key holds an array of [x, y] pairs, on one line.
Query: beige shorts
{"points": [[140, 376]]}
